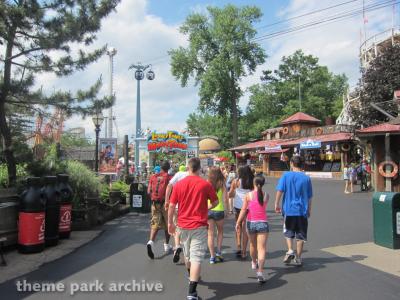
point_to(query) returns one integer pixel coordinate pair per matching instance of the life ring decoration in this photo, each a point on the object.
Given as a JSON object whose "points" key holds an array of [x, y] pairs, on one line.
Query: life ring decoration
{"points": [[319, 131], [285, 130], [382, 169], [345, 147]]}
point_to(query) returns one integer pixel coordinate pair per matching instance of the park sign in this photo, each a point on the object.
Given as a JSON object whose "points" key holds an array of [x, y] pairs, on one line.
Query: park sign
{"points": [[166, 142], [310, 144]]}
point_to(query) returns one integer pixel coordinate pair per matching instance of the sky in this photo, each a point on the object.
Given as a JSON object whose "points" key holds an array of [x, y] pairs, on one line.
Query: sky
{"points": [[144, 30]]}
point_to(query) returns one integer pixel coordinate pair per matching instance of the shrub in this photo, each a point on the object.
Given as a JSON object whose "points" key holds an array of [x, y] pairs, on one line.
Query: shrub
{"points": [[83, 181], [122, 187], [21, 175]]}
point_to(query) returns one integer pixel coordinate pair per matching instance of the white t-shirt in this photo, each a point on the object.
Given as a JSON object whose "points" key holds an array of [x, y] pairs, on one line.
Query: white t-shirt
{"points": [[177, 177]]}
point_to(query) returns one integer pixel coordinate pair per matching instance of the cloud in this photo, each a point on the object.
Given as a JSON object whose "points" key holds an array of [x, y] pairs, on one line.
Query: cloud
{"points": [[140, 36]]}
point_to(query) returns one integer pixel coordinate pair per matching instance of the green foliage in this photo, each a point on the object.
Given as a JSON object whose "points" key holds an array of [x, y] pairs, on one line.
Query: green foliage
{"points": [[121, 187], [51, 164], [22, 174], [83, 181], [203, 124], [176, 158], [277, 97], [228, 155], [220, 53], [69, 140], [104, 192], [377, 84], [46, 37]]}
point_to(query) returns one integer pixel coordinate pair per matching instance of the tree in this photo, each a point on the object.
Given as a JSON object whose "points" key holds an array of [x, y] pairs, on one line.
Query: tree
{"points": [[277, 97], [378, 82], [220, 53], [40, 37], [204, 124]]}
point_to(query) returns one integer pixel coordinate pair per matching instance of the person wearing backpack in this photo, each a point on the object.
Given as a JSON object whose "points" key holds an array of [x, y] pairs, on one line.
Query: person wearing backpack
{"points": [[157, 187]]}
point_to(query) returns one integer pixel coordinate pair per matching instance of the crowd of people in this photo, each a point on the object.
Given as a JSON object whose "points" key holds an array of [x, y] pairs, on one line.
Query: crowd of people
{"points": [[352, 173], [191, 207]]}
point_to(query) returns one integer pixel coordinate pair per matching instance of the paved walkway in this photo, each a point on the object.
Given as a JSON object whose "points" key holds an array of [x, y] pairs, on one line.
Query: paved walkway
{"points": [[119, 256]]}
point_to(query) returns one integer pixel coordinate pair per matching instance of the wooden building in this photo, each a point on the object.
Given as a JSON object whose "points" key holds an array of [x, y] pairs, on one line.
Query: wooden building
{"points": [[323, 148]]}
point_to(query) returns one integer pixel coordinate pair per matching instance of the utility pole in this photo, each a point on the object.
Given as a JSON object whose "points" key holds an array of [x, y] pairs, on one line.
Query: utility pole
{"points": [[111, 52]]}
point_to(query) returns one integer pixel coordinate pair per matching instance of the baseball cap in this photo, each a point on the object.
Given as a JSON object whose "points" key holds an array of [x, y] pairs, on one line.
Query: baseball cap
{"points": [[157, 169], [182, 168]]}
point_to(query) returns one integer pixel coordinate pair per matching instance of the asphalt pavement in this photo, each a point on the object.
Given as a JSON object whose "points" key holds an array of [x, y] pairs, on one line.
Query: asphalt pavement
{"points": [[103, 268]]}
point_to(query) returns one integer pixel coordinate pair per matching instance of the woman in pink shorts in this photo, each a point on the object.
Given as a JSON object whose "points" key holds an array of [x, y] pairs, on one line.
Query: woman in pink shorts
{"points": [[255, 203]]}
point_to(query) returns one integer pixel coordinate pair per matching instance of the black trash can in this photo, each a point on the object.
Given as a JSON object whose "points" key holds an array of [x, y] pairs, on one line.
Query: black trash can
{"points": [[139, 200]]}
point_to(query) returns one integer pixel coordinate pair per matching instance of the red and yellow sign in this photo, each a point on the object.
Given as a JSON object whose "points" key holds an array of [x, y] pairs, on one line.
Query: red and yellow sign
{"points": [[169, 141]]}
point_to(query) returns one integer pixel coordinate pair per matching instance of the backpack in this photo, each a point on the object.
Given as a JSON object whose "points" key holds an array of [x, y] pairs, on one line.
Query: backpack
{"points": [[158, 185]]}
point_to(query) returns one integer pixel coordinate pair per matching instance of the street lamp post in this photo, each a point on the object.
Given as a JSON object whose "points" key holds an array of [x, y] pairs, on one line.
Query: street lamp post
{"points": [[97, 121], [139, 75]]}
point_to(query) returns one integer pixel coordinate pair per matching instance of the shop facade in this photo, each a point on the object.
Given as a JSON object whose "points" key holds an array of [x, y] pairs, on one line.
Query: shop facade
{"points": [[383, 144], [324, 149]]}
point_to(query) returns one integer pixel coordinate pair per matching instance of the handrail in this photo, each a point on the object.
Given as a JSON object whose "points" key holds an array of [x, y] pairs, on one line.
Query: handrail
{"points": [[368, 43]]}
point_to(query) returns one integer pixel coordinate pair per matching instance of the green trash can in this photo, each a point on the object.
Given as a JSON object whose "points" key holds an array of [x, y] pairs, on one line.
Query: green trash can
{"points": [[139, 199], [386, 219]]}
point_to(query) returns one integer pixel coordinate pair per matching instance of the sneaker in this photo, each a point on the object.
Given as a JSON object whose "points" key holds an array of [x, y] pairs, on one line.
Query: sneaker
{"points": [[219, 257], [212, 260], [150, 252], [297, 261], [192, 297], [260, 278], [288, 257], [167, 248], [254, 265], [177, 254]]}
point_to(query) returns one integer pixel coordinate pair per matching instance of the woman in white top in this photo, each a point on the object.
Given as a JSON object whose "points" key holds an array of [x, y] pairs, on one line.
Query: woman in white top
{"points": [[239, 188]]}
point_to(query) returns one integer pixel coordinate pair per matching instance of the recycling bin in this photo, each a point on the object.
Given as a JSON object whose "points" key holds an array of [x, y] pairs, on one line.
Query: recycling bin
{"points": [[139, 200], [386, 219]]}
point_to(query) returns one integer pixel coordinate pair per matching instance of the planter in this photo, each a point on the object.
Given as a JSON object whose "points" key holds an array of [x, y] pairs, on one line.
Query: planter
{"points": [[79, 219], [105, 212], [9, 202], [114, 196], [92, 205]]}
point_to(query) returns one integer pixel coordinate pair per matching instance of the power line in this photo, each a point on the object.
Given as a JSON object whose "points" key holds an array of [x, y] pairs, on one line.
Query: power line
{"points": [[330, 19], [301, 27], [306, 14]]}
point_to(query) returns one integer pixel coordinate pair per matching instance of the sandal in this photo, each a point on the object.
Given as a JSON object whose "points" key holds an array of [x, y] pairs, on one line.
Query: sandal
{"points": [[239, 253]]}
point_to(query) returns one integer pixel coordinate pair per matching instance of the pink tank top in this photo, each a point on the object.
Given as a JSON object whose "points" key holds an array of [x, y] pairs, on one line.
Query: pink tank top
{"points": [[256, 212]]}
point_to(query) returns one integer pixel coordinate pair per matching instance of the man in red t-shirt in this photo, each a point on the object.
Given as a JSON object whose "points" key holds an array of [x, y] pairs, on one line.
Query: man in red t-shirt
{"points": [[192, 194]]}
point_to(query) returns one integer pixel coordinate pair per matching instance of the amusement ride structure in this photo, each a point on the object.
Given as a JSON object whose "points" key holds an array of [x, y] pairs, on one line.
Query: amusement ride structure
{"points": [[370, 49]]}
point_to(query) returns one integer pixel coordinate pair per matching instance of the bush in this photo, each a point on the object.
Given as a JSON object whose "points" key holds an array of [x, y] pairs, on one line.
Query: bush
{"points": [[122, 187], [22, 174], [83, 181]]}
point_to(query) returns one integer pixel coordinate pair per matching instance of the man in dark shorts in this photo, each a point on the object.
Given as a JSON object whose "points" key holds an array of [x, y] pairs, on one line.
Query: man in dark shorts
{"points": [[192, 194], [157, 186], [297, 193]]}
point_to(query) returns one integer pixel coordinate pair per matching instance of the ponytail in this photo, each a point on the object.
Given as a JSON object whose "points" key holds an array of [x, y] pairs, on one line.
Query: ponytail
{"points": [[259, 182], [260, 196]]}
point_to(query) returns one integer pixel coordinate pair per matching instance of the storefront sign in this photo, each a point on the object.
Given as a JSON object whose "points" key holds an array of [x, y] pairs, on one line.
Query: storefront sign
{"points": [[275, 148], [324, 175], [166, 142], [310, 144]]}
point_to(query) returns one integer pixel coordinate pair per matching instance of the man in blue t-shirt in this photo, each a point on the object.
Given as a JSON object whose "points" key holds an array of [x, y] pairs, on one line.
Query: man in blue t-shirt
{"points": [[296, 189]]}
